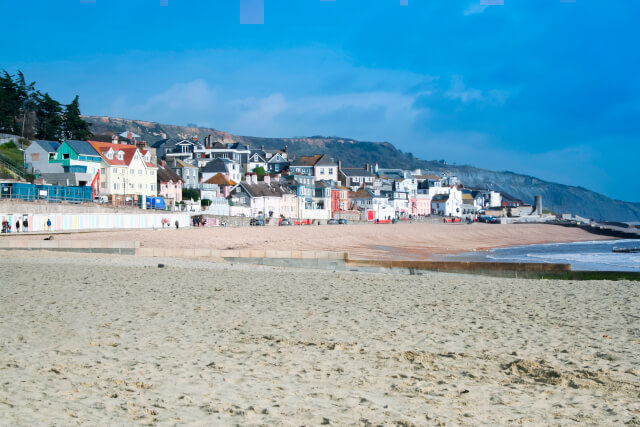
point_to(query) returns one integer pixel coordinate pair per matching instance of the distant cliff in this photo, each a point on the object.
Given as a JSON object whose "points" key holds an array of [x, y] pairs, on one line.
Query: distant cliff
{"points": [[558, 198]]}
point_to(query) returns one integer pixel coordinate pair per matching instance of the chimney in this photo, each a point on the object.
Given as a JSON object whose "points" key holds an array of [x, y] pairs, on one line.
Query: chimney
{"points": [[114, 139], [267, 179], [254, 178], [339, 165], [130, 136], [286, 151], [195, 138], [376, 168], [262, 147], [248, 177], [367, 167]]}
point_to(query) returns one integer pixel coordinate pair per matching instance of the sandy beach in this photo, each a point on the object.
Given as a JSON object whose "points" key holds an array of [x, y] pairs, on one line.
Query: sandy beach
{"points": [[370, 241], [117, 340]]}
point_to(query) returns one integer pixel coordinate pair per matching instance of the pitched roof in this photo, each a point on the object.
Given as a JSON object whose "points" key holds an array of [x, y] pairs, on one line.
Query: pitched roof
{"points": [[48, 146], [362, 193], [431, 177], [262, 189], [308, 161], [82, 147], [237, 146], [183, 164], [216, 165], [356, 172], [129, 152], [218, 146], [172, 142], [219, 179], [325, 161], [166, 175], [103, 147]]}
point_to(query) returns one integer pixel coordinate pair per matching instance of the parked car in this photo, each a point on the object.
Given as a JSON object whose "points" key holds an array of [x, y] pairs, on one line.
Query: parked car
{"points": [[101, 199], [286, 221], [342, 221], [256, 222], [332, 221]]}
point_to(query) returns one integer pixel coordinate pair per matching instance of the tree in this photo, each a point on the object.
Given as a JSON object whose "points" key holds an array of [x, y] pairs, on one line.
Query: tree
{"points": [[27, 97], [9, 103], [74, 127], [260, 172], [191, 194], [48, 118]]}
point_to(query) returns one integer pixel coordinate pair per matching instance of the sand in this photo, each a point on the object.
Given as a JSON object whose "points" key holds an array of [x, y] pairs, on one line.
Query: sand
{"points": [[371, 241], [117, 340]]}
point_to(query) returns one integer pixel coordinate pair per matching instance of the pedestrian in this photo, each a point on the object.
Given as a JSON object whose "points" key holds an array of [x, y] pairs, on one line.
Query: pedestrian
{"points": [[177, 224], [17, 226], [48, 224], [25, 225], [163, 222]]}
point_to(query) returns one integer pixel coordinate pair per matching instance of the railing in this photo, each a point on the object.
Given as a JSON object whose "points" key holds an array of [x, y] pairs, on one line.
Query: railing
{"points": [[14, 167]]}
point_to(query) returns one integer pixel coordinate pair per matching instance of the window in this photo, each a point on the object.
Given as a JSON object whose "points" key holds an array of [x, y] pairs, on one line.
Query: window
{"points": [[65, 156], [330, 171], [321, 171], [139, 171], [35, 157], [101, 171]]}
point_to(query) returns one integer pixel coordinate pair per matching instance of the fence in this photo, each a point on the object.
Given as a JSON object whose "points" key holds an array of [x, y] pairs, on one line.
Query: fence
{"points": [[51, 193]]}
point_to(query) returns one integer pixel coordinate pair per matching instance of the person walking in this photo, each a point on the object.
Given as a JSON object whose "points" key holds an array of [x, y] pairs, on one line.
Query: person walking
{"points": [[48, 224], [25, 225], [17, 226], [177, 224]]}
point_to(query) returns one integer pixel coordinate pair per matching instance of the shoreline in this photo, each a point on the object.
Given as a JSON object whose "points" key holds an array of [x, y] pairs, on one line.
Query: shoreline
{"points": [[417, 242]]}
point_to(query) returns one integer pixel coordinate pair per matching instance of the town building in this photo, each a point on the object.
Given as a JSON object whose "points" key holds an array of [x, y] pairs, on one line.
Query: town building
{"points": [[126, 173], [37, 157], [169, 185]]}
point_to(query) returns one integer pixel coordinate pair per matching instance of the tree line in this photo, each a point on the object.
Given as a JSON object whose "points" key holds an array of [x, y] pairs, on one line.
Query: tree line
{"points": [[27, 112]]}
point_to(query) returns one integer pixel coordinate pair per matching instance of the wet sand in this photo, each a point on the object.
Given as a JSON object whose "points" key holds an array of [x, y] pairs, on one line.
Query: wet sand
{"points": [[369, 241], [100, 340]]}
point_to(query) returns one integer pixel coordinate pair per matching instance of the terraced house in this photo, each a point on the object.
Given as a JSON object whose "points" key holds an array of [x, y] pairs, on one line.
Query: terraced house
{"points": [[126, 172], [79, 157]]}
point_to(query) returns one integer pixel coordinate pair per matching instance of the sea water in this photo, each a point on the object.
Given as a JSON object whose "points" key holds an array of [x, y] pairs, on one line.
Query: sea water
{"points": [[589, 256]]}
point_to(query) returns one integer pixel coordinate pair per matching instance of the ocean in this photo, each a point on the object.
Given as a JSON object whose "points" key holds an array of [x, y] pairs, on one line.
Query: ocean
{"points": [[584, 256]]}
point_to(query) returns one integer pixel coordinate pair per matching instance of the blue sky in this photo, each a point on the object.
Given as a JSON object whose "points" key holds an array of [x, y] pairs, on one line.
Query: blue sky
{"points": [[541, 87]]}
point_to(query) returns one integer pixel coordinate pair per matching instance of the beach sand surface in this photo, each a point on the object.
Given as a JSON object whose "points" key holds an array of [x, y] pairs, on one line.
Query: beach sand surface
{"points": [[109, 340], [367, 241]]}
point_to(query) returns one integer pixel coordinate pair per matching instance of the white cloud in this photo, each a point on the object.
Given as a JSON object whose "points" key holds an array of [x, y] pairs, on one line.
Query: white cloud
{"points": [[475, 8], [460, 92], [181, 103]]}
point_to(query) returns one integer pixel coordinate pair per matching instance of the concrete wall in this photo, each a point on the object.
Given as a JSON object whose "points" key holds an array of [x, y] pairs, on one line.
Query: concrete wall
{"points": [[42, 207], [95, 221]]}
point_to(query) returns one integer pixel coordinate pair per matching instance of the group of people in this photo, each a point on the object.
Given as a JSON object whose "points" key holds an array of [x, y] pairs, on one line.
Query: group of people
{"points": [[6, 225], [165, 223], [198, 221]]}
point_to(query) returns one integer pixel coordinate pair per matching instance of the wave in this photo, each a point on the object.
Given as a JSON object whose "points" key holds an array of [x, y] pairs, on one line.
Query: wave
{"points": [[605, 259]]}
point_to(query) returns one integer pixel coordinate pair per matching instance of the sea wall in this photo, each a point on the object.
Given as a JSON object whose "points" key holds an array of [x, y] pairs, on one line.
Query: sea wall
{"points": [[95, 221]]}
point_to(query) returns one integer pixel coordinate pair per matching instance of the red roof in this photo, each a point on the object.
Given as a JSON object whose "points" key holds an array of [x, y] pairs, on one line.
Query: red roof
{"points": [[128, 150]]}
